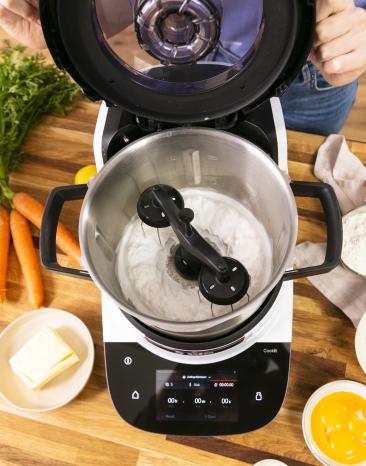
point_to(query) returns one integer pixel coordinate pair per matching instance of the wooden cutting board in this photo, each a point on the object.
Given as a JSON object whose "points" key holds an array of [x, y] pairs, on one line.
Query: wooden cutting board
{"points": [[88, 431]]}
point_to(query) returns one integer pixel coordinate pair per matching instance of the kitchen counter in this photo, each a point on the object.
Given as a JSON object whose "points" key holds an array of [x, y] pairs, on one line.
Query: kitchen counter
{"points": [[88, 431]]}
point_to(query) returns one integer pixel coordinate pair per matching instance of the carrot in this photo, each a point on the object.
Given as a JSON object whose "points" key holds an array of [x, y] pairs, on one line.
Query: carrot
{"points": [[4, 250], [32, 210], [27, 256]]}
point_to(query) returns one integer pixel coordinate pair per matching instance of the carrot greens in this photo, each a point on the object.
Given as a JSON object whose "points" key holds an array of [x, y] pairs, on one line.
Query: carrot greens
{"points": [[29, 88]]}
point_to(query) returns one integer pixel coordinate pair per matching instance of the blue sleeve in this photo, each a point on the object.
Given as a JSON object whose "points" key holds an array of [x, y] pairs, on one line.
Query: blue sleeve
{"points": [[361, 3]]}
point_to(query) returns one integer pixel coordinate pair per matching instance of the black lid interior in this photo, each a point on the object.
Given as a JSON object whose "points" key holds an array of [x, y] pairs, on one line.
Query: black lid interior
{"points": [[180, 60]]}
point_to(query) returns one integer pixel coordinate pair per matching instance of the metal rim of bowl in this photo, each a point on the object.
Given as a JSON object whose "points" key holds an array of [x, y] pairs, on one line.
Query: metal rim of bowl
{"points": [[125, 153]]}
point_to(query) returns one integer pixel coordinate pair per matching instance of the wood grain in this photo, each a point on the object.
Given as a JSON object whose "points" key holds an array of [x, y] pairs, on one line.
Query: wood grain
{"points": [[355, 125], [88, 431]]}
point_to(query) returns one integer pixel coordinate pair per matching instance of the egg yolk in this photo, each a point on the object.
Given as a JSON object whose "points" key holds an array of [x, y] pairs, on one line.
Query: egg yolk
{"points": [[338, 427]]}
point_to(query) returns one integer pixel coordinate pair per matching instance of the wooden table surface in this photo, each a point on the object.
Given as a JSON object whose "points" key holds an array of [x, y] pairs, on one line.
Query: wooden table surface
{"points": [[88, 431]]}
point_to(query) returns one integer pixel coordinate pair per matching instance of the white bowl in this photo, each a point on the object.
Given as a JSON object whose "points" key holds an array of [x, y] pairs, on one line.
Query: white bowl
{"points": [[270, 462], [360, 342], [352, 213], [63, 388], [329, 388]]}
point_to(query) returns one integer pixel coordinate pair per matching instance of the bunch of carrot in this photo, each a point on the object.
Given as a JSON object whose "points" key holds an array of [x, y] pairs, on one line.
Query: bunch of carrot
{"points": [[29, 88], [16, 225]]}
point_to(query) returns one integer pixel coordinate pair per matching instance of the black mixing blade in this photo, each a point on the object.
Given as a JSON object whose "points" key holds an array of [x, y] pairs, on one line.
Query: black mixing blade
{"points": [[222, 280]]}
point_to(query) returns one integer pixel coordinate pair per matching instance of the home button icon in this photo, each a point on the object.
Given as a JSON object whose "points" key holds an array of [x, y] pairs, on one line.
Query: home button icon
{"points": [[135, 395]]}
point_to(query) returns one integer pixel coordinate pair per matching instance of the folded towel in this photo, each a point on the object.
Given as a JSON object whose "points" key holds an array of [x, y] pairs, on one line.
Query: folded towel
{"points": [[336, 165]]}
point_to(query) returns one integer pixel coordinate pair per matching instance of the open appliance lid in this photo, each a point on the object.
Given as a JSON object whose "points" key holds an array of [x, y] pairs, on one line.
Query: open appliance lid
{"points": [[180, 60]]}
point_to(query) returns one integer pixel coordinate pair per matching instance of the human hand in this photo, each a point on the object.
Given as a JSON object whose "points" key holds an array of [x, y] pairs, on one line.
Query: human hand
{"points": [[340, 44], [20, 19]]}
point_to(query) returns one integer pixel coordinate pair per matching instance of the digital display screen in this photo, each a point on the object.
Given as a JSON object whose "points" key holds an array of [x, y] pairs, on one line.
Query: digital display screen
{"points": [[193, 396]]}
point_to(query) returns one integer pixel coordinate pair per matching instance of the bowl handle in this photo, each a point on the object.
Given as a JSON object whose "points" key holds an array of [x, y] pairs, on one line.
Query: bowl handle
{"points": [[50, 219], [333, 218]]}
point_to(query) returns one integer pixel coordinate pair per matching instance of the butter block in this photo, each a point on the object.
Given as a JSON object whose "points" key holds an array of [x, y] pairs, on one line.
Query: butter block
{"points": [[42, 358]]}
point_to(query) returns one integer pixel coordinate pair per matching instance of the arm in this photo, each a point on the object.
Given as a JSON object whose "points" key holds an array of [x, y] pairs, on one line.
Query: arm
{"points": [[340, 45], [20, 19]]}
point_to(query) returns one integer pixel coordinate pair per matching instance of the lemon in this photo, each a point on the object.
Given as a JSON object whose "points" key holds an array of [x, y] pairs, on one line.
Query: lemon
{"points": [[83, 175]]}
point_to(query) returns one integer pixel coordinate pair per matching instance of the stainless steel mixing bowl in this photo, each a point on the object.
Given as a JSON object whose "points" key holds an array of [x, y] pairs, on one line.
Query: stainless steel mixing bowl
{"points": [[227, 164]]}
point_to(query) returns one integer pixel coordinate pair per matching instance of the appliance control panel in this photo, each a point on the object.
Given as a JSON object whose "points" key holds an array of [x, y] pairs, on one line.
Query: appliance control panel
{"points": [[237, 395]]}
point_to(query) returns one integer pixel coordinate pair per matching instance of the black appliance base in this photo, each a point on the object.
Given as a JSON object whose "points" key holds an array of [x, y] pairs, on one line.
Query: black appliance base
{"points": [[228, 397]]}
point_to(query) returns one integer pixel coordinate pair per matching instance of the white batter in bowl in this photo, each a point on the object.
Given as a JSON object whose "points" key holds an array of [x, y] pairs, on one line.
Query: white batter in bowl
{"points": [[145, 263]]}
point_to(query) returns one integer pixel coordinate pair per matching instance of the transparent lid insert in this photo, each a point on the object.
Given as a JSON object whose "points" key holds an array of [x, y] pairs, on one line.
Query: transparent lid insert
{"points": [[181, 46]]}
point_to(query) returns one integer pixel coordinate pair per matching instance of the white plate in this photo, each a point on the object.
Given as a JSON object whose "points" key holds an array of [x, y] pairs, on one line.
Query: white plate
{"points": [[63, 388], [360, 342], [270, 463], [332, 387]]}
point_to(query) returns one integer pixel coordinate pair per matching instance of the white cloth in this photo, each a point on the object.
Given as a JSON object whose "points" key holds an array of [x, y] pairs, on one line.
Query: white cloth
{"points": [[338, 166]]}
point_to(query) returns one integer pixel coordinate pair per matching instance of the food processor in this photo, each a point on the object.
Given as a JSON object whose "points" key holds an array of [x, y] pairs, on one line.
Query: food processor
{"points": [[189, 228]]}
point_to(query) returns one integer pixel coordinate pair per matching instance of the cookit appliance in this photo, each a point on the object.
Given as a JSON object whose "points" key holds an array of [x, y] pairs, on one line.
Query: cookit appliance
{"points": [[190, 120]]}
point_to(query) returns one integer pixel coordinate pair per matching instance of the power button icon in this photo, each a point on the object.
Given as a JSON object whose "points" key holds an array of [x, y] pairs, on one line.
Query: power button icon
{"points": [[127, 361]]}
